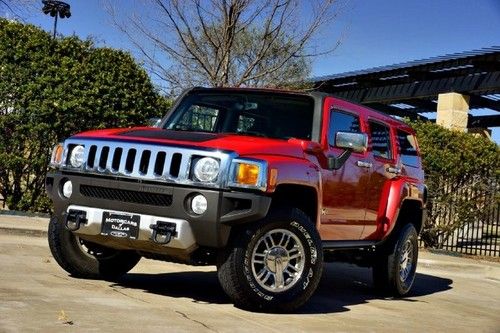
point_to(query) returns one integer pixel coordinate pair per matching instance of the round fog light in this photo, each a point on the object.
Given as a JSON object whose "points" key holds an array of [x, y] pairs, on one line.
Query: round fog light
{"points": [[67, 189], [199, 204]]}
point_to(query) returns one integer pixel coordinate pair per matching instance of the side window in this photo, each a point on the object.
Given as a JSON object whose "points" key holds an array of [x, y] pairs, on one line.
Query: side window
{"points": [[408, 148], [342, 122], [380, 140]]}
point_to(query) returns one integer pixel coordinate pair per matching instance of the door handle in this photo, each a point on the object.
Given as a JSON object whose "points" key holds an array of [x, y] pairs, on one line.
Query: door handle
{"points": [[364, 164], [394, 170]]}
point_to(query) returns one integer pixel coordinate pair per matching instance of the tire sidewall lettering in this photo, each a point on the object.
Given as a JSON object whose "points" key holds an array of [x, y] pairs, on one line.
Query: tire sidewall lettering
{"points": [[250, 280], [310, 242]]}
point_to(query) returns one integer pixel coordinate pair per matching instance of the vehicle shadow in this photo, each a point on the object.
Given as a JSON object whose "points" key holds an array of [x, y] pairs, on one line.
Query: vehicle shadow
{"points": [[342, 285]]}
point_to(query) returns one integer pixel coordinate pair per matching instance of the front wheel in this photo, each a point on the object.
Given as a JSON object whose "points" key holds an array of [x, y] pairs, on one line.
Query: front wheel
{"points": [[274, 265], [395, 265], [85, 259]]}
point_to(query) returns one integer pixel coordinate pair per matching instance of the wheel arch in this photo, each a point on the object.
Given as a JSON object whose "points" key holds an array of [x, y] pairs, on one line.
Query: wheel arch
{"points": [[411, 211], [302, 197]]}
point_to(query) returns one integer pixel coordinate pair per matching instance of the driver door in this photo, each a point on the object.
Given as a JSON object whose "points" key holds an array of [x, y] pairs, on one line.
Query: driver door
{"points": [[344, 190]]}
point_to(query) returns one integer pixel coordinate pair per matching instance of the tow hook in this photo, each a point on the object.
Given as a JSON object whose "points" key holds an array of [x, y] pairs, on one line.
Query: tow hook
{"points": [[163, 232], [74, 218]]}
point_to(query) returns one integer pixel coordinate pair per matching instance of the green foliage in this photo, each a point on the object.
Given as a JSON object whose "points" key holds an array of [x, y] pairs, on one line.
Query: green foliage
{"points": [[52, 89], [462, 175]]}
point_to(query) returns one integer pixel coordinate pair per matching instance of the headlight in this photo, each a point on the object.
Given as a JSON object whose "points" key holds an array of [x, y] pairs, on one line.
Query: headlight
{"points": [[206, 169], [249, 174], [76, 156], [57, 155]]}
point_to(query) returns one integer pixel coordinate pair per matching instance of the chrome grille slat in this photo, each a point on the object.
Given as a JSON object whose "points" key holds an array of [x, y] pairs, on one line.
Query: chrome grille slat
{"points": [[152, 162], [166, 166], [86, 152], [152, 172], [97, 158], [110, 159], [183, 169], [137, 162], [123, 159]]}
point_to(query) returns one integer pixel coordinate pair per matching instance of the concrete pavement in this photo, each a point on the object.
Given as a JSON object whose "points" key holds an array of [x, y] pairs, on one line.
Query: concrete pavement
{"points": [[450, 295], [23, 225]]}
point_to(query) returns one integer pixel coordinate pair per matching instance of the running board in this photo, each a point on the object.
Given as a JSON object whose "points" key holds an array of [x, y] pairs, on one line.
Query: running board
{"points": [[348, 245]]}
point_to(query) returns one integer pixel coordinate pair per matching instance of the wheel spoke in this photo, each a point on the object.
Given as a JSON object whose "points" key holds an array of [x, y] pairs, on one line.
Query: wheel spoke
{"points": [[261, 273], [287, 241], [293, 250], [283, 236], [269, 242], [406, 273], [268, 275], [292, 267]]}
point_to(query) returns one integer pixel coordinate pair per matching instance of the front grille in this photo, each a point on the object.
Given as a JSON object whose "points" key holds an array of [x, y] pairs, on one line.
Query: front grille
{"points": [[154, 162], [107, 193], [145, 161]]}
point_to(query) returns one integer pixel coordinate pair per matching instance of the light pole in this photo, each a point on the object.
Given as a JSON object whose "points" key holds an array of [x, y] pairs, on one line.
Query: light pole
{"points": [[56, 8]]}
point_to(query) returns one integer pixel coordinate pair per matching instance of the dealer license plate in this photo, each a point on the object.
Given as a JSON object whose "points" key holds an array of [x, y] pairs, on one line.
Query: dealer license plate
{"points": [[120, 225]]}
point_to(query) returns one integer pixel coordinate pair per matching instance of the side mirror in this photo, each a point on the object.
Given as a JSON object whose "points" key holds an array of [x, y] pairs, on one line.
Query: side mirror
{"points": [[357, 142], [154, 122], [351, 142]]}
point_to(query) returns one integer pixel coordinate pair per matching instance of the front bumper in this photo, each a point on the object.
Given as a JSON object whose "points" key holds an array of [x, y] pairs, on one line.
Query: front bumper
{"points": [[183, 238], [211, 229]]}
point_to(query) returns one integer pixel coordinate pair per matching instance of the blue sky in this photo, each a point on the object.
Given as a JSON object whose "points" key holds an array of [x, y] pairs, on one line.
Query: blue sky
{"points": [[374, 32]]}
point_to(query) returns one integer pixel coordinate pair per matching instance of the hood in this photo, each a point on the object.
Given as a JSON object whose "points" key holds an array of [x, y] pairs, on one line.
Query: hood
{"points": [[241, 144]]}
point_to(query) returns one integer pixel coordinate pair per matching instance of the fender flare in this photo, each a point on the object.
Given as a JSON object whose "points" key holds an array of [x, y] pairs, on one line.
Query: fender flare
{"points": [[396, 192]]}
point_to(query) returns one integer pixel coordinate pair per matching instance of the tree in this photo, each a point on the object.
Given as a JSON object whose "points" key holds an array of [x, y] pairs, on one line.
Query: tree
{"points": [[230, 42], [18, 9], [51, 89], [462, 176]]}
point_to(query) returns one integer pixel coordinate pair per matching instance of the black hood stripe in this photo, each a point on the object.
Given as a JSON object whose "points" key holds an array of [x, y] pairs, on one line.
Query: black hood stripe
{"points": [[171, 135]]}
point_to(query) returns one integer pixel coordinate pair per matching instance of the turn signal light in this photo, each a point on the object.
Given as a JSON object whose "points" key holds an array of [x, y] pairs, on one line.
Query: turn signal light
{"points": [[248, 174], [57, 155]]}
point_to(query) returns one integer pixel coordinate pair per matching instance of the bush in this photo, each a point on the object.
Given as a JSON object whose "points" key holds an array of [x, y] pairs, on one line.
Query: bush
{"points": [[52, 89], [462, 175]]}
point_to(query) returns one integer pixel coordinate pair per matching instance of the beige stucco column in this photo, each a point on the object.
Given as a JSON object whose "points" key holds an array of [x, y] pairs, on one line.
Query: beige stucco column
{"points": [[453, 111]]}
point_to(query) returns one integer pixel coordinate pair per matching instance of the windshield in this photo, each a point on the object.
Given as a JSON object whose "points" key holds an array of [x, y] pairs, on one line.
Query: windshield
{"points": [[248, 113]]}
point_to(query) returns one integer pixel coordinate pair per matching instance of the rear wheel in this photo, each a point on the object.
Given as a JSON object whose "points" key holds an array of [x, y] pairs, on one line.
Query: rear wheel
{"points": [[85, 259], [274, 265], [395, 265]]}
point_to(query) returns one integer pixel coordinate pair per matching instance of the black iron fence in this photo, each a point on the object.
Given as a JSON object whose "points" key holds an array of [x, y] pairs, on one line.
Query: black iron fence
{"points": [[479, 236]]}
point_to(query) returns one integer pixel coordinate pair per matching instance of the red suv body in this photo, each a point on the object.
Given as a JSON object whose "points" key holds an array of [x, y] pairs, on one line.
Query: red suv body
{"points": [[266, 184]]}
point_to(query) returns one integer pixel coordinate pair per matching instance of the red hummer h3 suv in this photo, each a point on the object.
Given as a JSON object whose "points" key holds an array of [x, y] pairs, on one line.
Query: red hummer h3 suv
{"points": [[265, 184]]}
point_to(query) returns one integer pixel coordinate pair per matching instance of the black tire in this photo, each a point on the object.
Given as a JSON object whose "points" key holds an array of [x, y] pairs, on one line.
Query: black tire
{"points": [[388, 277], [237, 269], [83, 259]]}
